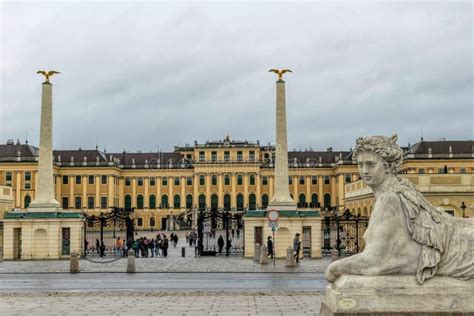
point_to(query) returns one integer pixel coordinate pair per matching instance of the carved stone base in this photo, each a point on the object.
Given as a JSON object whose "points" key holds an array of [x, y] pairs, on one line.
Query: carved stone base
{"points": [[353, 295]]}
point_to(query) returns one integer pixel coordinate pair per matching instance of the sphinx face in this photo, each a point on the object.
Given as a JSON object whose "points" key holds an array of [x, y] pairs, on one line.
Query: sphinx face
{"points": [[371, 169]]}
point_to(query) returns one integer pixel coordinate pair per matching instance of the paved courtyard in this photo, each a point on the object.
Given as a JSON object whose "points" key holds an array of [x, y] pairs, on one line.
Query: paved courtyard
{"points": [[173, 263], [160, 303]]}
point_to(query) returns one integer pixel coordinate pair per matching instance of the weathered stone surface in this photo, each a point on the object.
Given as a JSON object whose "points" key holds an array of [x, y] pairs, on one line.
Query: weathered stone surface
{"points": [[263, 255], [290, 260], [398, 295], [256, 252], [131, 261], [74, 266]]}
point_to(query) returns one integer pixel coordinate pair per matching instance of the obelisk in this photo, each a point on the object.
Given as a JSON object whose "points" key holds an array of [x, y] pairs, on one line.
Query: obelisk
{"points": [[281, 199], [44, 195]]}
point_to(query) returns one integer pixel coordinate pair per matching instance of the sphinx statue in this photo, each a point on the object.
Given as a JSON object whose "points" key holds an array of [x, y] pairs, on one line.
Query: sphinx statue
{"points": [[406, 234]]}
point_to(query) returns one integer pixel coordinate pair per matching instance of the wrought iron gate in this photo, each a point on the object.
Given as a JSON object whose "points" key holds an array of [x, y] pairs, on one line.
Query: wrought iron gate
{"points": [[102, 232], [220, 232], [344, 233]]}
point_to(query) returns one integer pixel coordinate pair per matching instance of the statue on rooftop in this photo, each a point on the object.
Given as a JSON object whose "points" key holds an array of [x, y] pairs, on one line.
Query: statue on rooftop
{"points": [[406, 234]]}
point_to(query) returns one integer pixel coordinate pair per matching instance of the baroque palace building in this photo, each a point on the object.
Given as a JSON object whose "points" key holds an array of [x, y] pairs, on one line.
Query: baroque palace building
{"points": [[227, 174]]}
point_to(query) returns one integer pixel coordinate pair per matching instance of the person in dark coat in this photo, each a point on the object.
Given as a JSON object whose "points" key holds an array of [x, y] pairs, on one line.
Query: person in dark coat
{"points": [[270, 247], [220, 243], [165, 246]]}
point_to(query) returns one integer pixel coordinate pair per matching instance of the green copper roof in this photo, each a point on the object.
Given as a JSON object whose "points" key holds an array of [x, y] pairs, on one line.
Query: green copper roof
{"points": [[46, 215], [263, 213]]}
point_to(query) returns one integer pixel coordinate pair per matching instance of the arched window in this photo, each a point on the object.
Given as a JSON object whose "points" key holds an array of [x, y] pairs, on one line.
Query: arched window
{"points": [[177, 201], [302, 200], [327, 200], [214, 201], [128, 201], [264, 201], [140, 202], [27, 201], [164, 201], [240, 202], [252, 202], [314, 200], [227, 202], [152, 201], [189, 201], [202, 202]]}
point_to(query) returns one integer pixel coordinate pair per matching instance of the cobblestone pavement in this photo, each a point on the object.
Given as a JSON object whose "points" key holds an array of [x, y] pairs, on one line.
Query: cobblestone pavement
{"points": [[173, 263], [160, 303]]}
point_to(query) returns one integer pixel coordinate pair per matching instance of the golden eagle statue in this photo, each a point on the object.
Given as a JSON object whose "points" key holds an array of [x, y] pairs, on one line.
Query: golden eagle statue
{"points": [[280, 72], [47, 74]]}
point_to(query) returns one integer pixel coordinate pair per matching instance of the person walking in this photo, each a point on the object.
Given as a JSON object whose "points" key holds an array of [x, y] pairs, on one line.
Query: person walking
{"points": [[296, 247], [220, 243], [97, 245], [270, 247], [165, 246]]}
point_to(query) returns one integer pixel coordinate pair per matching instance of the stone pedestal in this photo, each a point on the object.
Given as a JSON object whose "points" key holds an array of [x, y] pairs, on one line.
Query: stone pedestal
{"points": [[398, 295], [74, 263], [256, 252], [42, 235], [290, 260], [263, 255], [131, 261]]}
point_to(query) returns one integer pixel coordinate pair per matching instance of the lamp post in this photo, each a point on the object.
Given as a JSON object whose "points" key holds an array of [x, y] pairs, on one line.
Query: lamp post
{"points": [[463, 209]]}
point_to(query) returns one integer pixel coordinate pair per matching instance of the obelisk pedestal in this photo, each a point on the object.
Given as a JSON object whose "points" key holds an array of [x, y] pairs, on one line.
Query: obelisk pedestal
{"points": [[44, 196], [281, 199]]}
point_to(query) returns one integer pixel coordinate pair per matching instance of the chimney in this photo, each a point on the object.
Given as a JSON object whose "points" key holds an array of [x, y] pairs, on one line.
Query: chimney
{"points": [[329, 149]]}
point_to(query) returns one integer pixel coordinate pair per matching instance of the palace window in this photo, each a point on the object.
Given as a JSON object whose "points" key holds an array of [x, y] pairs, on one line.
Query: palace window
{"points": [[327, 180], [164, 181], [226, 179], [239, 179], [27, 185], [140, 221], [421, 171], [65, 179], [314, 180], [301, 180], [252, 155], [140, 181], [8, 176], [201, 156], [214, 179], [239, 156], [265, 180], [152, 201], [65, 202], [202, 180], [290, 180], [78, 179], [214, 156], [91, 179], [348, 178], [90, 202], [226, 155], [103, 179], [103, 202], [152, 181], [252, 179], [176, 180], [462, 170], [128, 181], [78, 203], [27, 175], [189, 180]]}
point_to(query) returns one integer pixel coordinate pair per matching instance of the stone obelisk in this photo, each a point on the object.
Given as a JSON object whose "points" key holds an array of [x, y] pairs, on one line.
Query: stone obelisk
{"points": [[281, 199], [44, 195]]}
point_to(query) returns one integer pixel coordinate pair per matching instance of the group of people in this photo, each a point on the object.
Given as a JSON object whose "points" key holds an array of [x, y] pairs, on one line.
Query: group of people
{"points": [[296, 247], [155, 247]]}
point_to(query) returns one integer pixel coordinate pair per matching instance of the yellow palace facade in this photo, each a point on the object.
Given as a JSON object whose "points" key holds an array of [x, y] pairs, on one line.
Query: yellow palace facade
{"points": [[224, 174]]}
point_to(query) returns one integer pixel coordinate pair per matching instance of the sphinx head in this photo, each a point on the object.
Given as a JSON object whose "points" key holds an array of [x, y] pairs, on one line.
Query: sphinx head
{"points": [[377, 157]]}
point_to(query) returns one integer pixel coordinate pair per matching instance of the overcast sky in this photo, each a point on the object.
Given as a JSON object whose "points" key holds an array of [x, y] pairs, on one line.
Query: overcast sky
{"points": [[149, 76]]}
